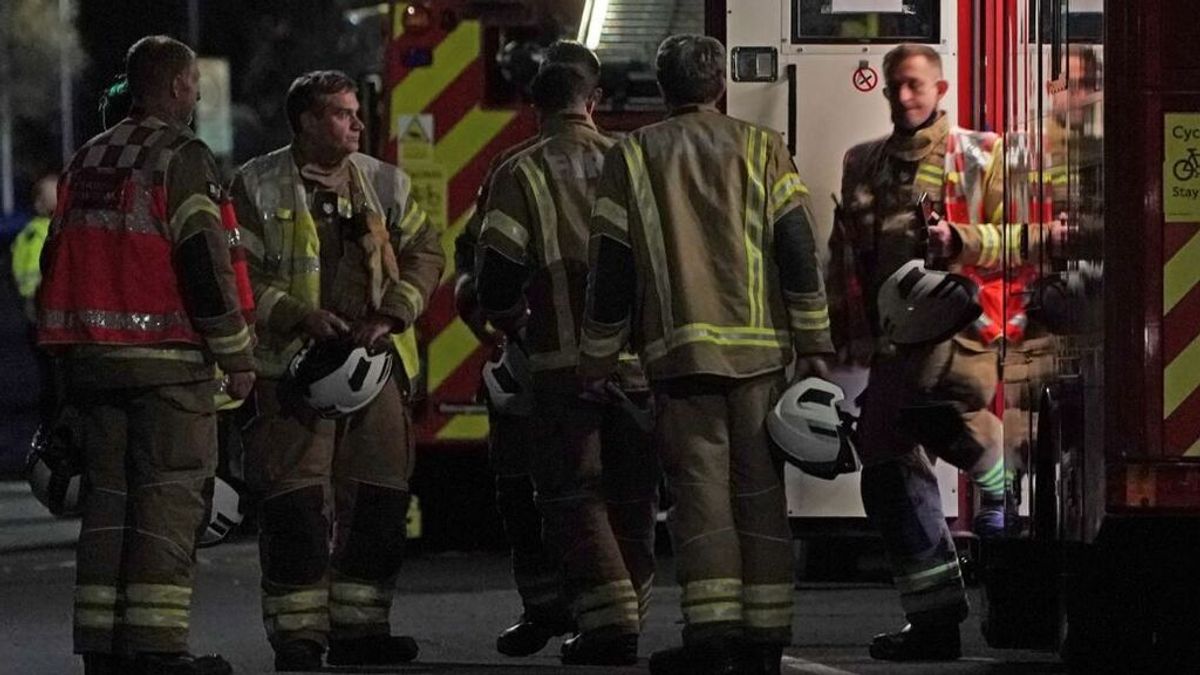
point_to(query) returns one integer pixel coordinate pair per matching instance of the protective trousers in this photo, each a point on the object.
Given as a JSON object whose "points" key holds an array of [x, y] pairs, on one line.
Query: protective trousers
{"points": [[597, 479], [921, 403], [313, 475], [538, 578], [729, 527], [150, 455]]}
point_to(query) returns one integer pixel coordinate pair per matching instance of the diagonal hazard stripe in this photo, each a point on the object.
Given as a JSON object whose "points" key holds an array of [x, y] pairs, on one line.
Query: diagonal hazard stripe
{"points": [[1181, 378], [472, 133], [1181, 273], [448, 350], [1181, 431], [448, 236], [463, 427], [422, 85]]}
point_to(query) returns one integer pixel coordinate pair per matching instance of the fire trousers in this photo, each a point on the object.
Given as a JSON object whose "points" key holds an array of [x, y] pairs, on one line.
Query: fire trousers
{"points": [[596, 478], [538, 577], [322, 479], [920, 403], [729, 527], [150, 453]]}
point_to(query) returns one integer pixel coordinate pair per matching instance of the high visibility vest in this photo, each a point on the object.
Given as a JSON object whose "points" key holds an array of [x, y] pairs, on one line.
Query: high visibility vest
{"points": [[110, 277], [26, 256]]}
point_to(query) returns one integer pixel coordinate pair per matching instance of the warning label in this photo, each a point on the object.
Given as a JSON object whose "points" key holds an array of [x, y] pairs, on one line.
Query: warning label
{"points": [[414, 137]]}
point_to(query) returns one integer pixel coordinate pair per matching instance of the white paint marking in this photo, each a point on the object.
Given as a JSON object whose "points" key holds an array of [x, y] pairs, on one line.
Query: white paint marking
{"points": [[793, 664]]}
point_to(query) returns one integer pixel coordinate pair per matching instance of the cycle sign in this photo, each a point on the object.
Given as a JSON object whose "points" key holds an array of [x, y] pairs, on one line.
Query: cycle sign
{"points": [[1181, 167]]}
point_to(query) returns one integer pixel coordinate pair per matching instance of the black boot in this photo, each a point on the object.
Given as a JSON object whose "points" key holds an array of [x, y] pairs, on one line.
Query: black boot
{"points": [[530, 635], [155, 663], [725, 656], [769, 658], [925, 642], [373, 650], [589, 650], [105, 664], [298, 656]]}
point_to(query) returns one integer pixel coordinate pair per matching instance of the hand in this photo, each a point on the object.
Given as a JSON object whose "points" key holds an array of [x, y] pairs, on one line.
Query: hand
{"points": [[594, 389], [810, 366], [322, 324], [941, 239], [370, 331], [239, 384]]}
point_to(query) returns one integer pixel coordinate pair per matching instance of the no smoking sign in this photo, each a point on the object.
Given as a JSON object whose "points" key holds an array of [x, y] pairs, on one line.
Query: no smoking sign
{"points": [[865, 78]]}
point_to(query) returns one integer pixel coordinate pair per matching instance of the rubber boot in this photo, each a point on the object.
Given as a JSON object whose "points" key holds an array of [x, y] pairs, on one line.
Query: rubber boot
{"points": [[152, 663], [530, 635], [373, 650], [590, 650], [931, 642], [298, 656], [726, 656]]}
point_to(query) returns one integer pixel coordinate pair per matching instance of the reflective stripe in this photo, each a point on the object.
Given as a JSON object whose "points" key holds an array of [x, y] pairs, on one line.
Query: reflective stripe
{"points": [[741, 336], [306, 265], [768, 617], [156, 617], [184, 355], [95, 618], [989, 245], [360, 594], [194, 204], [928, 578], [767, 593], [231, 344], [756, 198], [268, 297], [767, 605], [507, 227], [611, 604], [784, 190], [643, 197], [138, 221], [612, 212], [357, 614], [413, 296], [96, 595], [624, 615], [413, 219], [596, 345], [712, 600], [552, 253], [1012, 235], [298, 621], [150, 323], [158, 594], [810, 319], [295, 602]]}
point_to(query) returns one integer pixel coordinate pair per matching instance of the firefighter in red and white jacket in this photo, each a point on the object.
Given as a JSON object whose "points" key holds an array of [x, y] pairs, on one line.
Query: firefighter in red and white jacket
{"points": [[144, 296]]}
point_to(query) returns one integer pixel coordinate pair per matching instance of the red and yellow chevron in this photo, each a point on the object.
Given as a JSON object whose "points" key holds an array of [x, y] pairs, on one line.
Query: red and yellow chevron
{"points": [[1181, 340], [435, 67]]}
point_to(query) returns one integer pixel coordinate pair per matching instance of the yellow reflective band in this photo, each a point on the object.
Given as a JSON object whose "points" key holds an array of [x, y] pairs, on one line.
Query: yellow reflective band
{"points": [[184, 355], [298, 621], [708, 589], [948, 596], [756, 198], [359, 594], [413, 219], [931, 173], [768, 617], [95, 618], [917, 581], [612, 212], [605, 594], [96, 595], [268, 297], [506, 226], [1012, 236], [712, 612], [643, 197], [787, 187], [989, 245], [295, 602], [231, 344], [624, 615], [815, 319], [601, 340], [357, 614], [564, 319], [767, 593], [413, 296], [739, 336], [156, 617], [194, 204], [158, 594]]}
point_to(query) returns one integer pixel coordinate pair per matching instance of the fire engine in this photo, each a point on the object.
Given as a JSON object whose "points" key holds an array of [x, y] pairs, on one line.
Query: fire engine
{"points": [[1100, 109]]}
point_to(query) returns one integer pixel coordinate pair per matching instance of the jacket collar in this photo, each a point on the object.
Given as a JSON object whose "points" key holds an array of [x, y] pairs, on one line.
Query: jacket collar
{"points": [[557, 123], [915, 146], [694, 108]]}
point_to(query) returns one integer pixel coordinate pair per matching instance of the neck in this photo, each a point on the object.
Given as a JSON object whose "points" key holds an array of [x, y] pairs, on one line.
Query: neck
{"points": [[160, 109], [310, 153], [923, 125]]}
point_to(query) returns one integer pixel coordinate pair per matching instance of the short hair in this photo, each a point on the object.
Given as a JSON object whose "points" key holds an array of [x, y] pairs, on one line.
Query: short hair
{"points": [[904, 52], [575, 53], [153, 63], [691, 69], [559, 86], [309, 91]]}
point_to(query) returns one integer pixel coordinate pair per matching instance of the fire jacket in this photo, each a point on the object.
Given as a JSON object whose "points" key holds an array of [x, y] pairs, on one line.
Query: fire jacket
{"points": [[391, 267], [702, 254], [140, 288]]}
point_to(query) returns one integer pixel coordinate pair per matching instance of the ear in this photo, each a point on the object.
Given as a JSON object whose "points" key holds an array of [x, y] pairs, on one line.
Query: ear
{"points": [[942, 87], [307, 121]]}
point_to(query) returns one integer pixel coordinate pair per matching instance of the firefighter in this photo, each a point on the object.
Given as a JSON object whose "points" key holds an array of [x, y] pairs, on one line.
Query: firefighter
{"points": [[924, 400], [592, 464], [138, 302], [544, 611], [27, 246], [702, 255], [338, 249]]}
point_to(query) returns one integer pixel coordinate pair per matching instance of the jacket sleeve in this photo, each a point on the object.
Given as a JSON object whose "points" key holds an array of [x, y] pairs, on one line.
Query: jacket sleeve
{"points": [[503, 258], [796, 254], [612, 276], [277, 311], [417, 244], [202, 260]]}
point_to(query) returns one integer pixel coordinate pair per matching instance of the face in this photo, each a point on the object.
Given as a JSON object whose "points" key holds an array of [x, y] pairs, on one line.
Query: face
{"points": [[914, 89], [185, 92], [45, 197], [334, 128]]}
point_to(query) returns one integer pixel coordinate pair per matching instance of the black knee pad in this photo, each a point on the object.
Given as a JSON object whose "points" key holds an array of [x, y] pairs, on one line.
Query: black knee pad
{"points": [[374, 548], [295, 535]]}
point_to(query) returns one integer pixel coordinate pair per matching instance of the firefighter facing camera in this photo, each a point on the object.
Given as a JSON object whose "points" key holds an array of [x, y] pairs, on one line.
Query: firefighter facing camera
{"points": [[342, 262]]}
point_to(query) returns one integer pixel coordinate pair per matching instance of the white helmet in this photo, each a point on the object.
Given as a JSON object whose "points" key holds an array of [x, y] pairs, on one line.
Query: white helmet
{"points": [[54, 466], [224, 515], [337, 377], [810, 432], [922, 306], [509, 382]]}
